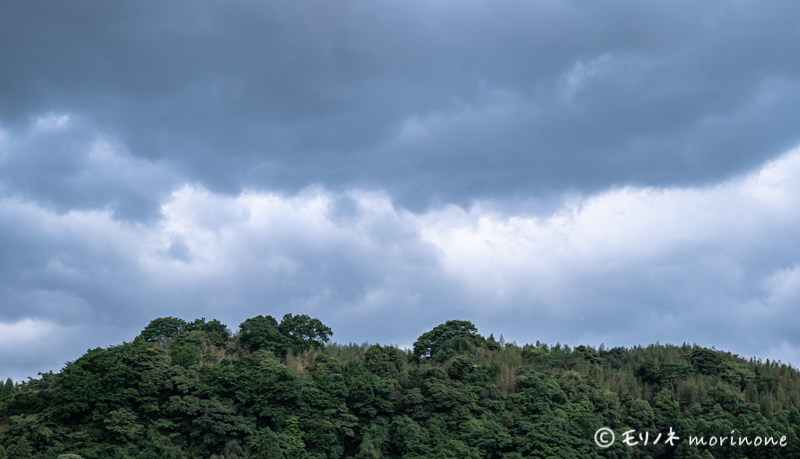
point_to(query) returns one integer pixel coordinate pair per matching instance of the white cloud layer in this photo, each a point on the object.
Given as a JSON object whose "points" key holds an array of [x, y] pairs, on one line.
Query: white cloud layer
{"points": [[17, 337], [716, 265]]}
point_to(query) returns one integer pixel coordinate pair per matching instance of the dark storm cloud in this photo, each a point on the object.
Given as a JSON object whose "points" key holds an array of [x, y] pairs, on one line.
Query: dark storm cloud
{"points": [[433, 101], [59, 162], [229, 159]]}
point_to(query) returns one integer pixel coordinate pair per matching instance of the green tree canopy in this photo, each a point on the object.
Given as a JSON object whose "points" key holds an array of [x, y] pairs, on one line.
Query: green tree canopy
{"points": [[261, 332], [384, 362], [705, 361], [467, 398], [303, 332], [163, 329], [218, 334], [430, 343]]}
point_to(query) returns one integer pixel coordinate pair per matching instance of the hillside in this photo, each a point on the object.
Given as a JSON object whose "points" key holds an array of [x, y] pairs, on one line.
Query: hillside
{"points": [[283, 390]]}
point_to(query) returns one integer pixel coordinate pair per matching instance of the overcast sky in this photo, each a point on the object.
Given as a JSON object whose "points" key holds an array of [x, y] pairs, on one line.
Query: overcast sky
{"points": [[617, 172]]}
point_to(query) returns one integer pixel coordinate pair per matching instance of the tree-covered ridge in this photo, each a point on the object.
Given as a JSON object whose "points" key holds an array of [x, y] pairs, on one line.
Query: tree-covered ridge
{"points": [[282, 390]]}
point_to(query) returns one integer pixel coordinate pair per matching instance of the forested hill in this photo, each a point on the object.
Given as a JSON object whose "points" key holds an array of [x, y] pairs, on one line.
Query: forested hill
{"points": [[282, 390]]}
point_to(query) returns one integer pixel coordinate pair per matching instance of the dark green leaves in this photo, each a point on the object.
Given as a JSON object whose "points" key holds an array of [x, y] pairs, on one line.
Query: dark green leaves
{"points": [[705, 361], [163, 329], [303, 332], [261, 332], [385, 362], [296, 333], [453, 335], [215, 331], [277, 390]]}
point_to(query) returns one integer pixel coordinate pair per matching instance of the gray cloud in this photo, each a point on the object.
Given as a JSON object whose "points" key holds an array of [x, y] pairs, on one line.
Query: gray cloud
{"points": [[565, 171], [62, 163], [623, 267], [433, 102]]}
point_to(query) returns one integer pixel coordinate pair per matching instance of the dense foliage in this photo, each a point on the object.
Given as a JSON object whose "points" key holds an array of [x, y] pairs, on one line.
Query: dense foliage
{"points": [[282, 390]]}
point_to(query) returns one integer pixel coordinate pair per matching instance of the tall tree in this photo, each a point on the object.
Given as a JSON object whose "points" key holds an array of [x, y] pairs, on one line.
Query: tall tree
{"points": [[218, 334], [430, 343], [303, 332], [264, 445], [163, 329], [261, 332]]}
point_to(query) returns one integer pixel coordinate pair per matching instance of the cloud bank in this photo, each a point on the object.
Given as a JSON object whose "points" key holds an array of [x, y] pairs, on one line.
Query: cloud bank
{"points": [[432, 102], [590, 172], [716, 265]]}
